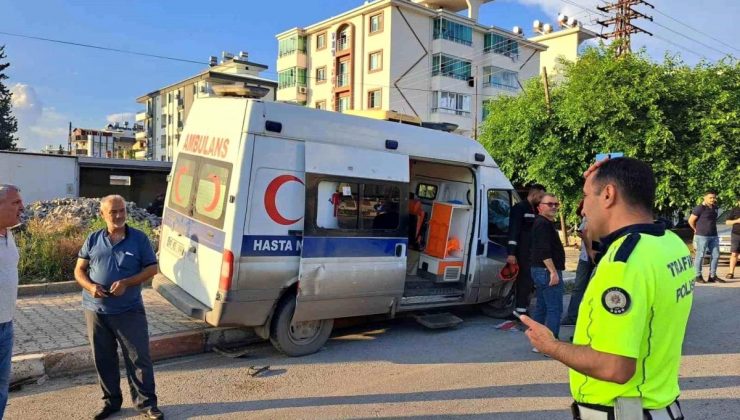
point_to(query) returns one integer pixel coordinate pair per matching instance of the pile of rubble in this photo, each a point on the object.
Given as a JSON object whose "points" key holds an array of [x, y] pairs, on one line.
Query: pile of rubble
{"points": [[82, 210]]}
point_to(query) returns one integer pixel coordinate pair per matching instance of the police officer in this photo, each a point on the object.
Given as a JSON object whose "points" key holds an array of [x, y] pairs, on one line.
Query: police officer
{"points": [[521, 220], [626, 351]]}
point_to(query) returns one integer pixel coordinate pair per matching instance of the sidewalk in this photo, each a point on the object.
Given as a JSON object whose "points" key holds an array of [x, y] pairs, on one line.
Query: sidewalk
{"points": [[51, 339]]}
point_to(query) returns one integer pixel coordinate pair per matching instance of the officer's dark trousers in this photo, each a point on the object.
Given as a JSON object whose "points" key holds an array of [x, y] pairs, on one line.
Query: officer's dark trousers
{"points": [[523, 284], [130, 330]]}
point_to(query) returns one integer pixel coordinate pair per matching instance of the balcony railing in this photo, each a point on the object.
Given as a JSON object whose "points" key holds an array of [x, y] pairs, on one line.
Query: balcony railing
{"points": [[343, 79], [342, 44]]}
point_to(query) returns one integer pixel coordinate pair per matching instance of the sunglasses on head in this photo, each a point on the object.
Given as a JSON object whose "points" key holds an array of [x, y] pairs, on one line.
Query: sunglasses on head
{"points": [[553, 205]]}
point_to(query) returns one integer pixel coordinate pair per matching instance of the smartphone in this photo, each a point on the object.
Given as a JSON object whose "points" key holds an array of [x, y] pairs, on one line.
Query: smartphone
{"points": [[517, 315]]}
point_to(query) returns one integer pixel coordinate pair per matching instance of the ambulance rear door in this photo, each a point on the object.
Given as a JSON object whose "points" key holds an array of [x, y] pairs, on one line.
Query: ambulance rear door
{"points": [[353, 256]]}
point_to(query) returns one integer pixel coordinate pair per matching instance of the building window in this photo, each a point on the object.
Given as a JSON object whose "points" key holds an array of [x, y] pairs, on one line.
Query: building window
{"points": [[321, 74], [343, 39], [290, 45], [320, 105], [499, 44], [163, 141], [376, 23], [374, 98], [452, 31], [343, 103], [343, 74], [291, 77], [451, 103], [500, 78], [321, 41], [375, 61], [445, 65]]}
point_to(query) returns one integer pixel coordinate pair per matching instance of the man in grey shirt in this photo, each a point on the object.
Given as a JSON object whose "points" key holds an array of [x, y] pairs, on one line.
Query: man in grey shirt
{"points": [[11, 208]]}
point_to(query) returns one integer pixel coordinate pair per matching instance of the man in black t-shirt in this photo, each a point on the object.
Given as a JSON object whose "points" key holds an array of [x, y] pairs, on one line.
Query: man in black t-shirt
{"points": [[703, 221], [548, 263], [734, 219]]}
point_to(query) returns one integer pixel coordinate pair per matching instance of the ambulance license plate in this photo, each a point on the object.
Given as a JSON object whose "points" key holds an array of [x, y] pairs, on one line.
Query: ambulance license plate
{"points": [[175, 247]]}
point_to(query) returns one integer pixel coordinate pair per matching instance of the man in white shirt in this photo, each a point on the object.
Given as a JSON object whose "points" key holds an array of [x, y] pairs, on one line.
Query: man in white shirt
{"points": [[11, 208]]}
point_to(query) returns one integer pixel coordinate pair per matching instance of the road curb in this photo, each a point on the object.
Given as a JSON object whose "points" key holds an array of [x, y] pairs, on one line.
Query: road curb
{"points": [[79, 359]]}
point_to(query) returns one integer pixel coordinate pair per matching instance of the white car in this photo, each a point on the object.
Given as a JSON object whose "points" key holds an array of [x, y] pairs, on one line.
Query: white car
{"points": [[723, 231]]}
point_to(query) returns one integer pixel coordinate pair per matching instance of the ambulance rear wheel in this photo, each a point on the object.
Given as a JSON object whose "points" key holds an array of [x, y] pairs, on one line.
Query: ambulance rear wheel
{"points": [[300, 338]]}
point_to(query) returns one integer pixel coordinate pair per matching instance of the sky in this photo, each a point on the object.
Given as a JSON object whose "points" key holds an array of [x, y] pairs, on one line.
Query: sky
{"points": [[55, 84]]}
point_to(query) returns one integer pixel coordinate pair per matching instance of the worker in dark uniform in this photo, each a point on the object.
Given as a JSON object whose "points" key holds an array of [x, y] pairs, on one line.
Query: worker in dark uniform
{"points": [[521, 220], [626, 352]]}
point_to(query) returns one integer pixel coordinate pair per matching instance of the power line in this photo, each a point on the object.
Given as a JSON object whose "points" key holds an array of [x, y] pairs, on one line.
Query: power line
{"points": [[692, 39], [698, 31], [97, 47]]}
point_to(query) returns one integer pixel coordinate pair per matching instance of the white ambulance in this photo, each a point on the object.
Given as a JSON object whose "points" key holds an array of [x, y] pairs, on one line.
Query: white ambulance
{"points": [[284, 218]]}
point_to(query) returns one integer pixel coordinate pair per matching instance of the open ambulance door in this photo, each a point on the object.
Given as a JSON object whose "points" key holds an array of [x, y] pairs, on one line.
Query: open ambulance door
{"points": [[353, 256]]}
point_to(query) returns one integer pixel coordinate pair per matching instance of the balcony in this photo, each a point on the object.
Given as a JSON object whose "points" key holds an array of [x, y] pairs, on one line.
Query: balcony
{"points": [[296, 93], [142, 135], [143, 115], [342, 44], [343, 80]]}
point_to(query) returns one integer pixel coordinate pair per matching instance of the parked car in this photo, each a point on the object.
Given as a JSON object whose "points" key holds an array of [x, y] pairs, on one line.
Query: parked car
{"points": [[723, 231]]}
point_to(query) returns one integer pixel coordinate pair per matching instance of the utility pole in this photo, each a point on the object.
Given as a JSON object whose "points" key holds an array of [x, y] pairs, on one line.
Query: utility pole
{"points": [[547, 103], [622, 22]]}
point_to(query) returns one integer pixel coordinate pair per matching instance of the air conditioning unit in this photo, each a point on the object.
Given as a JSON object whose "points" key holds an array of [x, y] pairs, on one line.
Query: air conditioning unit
{"points": [[302, 90]]}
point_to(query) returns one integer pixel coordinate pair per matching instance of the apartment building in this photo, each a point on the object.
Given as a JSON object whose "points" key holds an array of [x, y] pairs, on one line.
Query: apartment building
{"points": [[416, 57], [565, 43], [167, 108], [114, 141]]}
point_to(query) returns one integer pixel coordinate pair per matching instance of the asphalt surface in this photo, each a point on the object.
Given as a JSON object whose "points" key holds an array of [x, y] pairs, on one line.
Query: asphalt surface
{"points": [[397, 369]]}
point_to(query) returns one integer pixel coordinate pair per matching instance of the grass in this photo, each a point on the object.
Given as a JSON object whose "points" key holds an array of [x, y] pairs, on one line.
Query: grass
{"points": [[48, 248]]}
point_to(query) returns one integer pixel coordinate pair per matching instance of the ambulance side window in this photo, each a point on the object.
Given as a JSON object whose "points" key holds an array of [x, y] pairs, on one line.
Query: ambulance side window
{"points": [[181, 187], [499, 208], [212, 190], [358, 206], [337, 205]]}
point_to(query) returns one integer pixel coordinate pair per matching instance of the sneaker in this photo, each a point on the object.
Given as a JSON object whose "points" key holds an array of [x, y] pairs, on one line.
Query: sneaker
{"points": [[718, 279], [699, 279], [712, 279]]}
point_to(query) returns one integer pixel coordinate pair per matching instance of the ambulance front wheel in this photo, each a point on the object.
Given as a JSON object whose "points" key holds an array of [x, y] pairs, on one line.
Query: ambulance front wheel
{"points": [[297, 339]]}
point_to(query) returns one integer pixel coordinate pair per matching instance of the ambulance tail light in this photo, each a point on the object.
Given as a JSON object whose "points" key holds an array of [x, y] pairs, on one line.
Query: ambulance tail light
{"points": [[227, 270]]}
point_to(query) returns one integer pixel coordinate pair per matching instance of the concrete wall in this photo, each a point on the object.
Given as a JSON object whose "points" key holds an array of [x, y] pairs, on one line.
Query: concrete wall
{"points": [[40, 177]]}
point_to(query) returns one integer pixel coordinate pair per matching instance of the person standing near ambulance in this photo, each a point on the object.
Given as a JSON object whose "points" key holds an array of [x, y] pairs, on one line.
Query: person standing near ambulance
{"points": [[626, 352], [521, 220]]}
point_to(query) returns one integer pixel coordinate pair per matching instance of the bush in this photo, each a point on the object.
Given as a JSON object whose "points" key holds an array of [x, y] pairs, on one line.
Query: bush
{"points": [[48, 249]]}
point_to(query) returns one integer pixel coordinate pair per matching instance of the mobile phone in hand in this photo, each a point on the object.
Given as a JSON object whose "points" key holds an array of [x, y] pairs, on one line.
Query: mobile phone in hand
{"points": [[517, 315]]}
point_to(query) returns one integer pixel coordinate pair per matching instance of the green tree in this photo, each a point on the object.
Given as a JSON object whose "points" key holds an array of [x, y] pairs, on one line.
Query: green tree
{"points": [[682, 120], [8, 123]]}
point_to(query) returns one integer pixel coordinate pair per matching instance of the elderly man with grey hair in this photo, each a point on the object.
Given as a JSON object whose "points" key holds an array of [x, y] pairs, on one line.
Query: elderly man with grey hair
{"points": [[11, 208], [111, 266]]}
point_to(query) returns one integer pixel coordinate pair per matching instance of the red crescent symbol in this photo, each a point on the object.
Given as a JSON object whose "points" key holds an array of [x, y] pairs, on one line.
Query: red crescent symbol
{"points": [[216, 193], [180, 172], [271, 199]]}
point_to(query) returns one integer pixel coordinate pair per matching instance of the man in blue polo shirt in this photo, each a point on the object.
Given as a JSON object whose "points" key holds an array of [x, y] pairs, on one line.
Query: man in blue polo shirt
{"points": [[111, 266]]}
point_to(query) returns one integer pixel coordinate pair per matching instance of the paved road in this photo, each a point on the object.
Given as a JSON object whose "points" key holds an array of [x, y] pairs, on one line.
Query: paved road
{"points": [[397, 369]]}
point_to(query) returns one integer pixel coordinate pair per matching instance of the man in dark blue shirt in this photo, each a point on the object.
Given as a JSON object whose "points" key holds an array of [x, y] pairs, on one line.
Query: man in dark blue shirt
{"points": [[703, 221], [111, 266]]}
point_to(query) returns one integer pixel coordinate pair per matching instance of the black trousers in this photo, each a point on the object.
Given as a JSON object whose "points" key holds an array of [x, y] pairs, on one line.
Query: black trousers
{"points": [[524, 284], [131, 331]]}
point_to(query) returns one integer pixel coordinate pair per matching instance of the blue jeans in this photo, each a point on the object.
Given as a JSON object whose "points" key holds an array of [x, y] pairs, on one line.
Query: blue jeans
{"points": [[6, 353], [701, 244], [549, 307], [583, 275]]}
